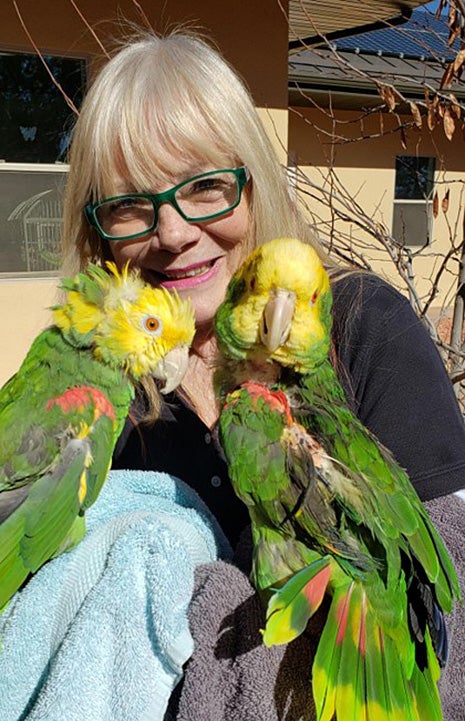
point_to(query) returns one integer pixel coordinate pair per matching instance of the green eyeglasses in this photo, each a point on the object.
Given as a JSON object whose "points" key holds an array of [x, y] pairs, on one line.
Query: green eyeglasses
{"points": [[203, 197]]}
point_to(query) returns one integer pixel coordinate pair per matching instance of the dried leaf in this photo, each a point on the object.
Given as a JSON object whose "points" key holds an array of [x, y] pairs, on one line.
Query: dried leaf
{"points": [[389, 96], [449, 123], [459, 60], [435, 205], [416, 114], [447, 78], [445, 202], [454, 33], [456, 109], [431, 117]]}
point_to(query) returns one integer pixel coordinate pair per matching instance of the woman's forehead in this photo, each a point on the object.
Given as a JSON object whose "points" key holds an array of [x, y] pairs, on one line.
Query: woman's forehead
{"points": [[159, 173]]}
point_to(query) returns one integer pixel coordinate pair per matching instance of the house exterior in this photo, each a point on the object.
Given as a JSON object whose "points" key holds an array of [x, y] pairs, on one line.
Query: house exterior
{"points": [[35, 120], [382, 169]]}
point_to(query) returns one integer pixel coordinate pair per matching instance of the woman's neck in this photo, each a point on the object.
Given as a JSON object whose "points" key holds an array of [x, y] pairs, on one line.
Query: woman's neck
{"points": [[198, 388]]}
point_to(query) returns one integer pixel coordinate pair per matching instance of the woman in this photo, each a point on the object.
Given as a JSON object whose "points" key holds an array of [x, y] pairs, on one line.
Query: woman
{"points": [[169, 119], [165, 110]]}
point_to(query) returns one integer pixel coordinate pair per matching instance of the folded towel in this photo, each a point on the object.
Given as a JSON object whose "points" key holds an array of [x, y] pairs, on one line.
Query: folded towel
{"points": [[232, 675], [101, 633]]}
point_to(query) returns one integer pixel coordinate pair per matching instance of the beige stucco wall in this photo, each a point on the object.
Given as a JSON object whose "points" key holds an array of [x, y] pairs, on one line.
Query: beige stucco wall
{"points": [[364, 169], [254, 41], [24, 311]]}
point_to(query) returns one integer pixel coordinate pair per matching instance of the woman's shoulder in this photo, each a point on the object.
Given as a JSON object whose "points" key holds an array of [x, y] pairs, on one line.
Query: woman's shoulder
{"points": [[363, 290], [365, 306]]}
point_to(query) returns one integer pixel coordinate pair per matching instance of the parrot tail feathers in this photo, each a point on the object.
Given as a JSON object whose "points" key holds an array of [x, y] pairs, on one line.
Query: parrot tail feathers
{"points": [[358, 673], [429, 549], [290, 608], [424, 683]]}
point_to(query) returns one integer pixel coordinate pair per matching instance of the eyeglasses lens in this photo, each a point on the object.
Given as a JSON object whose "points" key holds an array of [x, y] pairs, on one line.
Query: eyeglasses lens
{"points": [[200, 198]]}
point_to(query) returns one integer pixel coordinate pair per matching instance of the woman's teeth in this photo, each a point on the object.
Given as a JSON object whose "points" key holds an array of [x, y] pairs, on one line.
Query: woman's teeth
{"points": [[178, 274]]}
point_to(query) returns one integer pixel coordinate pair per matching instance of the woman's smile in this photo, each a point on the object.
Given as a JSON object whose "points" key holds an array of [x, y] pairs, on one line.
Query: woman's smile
{"points": [[190, 276]]}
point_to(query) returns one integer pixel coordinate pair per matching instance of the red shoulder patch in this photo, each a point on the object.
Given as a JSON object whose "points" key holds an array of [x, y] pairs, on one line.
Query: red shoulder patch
{"points": [[275, 399], [80, 397]]}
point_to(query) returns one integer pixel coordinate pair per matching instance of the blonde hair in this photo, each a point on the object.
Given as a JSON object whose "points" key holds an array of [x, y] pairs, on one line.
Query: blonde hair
{"points": [[164, 98]]}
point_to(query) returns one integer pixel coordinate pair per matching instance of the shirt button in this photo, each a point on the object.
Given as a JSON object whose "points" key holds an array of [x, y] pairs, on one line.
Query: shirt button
{"points": [[215, 481], [208, 438]]}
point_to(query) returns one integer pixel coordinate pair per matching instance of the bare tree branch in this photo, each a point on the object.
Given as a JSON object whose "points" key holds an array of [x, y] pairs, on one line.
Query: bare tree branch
{"points": [[67, 99], [90, 28]]}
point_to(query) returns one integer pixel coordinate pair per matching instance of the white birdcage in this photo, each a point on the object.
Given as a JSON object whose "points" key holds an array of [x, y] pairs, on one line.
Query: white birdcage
{"points": [[40, 216]]}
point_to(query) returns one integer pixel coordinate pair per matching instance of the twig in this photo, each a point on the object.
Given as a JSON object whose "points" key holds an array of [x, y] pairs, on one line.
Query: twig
{"points": [[67, 99], [90, 28]]}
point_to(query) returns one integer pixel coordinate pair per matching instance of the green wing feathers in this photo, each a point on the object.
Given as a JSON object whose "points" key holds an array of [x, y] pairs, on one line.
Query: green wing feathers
{"points": [[324, 525], [57, 443], [249, 428], [52, 482]]}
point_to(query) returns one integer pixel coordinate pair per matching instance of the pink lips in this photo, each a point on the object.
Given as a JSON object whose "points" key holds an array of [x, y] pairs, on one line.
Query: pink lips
{"points": [[187, 282]]}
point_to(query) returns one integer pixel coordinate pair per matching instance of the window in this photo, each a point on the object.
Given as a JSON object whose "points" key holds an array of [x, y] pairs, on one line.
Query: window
{"points": [[35, 128], [414, 183]]}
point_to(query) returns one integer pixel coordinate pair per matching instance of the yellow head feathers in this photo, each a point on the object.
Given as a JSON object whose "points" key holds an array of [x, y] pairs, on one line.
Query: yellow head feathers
{"points": [[278, 305], [127, 323], [286, 263]]}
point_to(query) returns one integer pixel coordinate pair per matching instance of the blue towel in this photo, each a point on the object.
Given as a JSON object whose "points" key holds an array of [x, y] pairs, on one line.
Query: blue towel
{"points": [[101, 633]]}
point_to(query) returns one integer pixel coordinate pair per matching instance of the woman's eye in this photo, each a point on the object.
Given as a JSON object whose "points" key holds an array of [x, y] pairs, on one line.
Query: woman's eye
{"points": [[206, 184], [122, 204]]}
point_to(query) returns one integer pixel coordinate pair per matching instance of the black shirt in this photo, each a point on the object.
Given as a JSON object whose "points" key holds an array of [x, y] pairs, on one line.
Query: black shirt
{"points": [[395, 382]]}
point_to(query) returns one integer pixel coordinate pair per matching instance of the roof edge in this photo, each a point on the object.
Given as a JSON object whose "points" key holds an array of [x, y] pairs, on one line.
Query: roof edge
{"points": [[314, 40]]}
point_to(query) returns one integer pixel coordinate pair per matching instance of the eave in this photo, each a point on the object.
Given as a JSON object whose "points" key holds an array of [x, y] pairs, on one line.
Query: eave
{"points": [[310, 20]]}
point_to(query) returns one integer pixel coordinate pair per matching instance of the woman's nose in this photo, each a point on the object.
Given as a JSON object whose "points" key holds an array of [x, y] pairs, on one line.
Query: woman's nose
{"points": [[173, 233]]}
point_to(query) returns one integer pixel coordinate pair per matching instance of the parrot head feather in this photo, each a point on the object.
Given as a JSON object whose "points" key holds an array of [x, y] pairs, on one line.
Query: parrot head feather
{"points": [[278, 304], [127, 323]]}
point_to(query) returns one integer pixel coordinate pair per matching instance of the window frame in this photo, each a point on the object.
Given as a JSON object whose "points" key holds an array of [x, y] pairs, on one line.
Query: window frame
{"points": [[39, 168], [58, 166], [424, 204]]}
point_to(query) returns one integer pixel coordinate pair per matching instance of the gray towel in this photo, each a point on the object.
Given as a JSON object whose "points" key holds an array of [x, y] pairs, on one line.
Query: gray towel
{"points": [[448, 515], [233, 677]]}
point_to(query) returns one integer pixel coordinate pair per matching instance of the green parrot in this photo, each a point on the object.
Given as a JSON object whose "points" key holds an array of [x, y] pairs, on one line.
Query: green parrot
{"points": [[62, 412], [332, 512]]}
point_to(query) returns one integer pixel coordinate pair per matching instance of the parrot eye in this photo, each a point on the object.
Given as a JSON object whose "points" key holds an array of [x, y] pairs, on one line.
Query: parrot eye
{"points": [[314, 297], [152, 324], [252, 284]]}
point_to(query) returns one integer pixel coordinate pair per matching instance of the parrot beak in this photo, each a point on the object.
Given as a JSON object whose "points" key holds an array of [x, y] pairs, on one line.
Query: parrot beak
{"points": [[276, 320], [172, 368]]}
